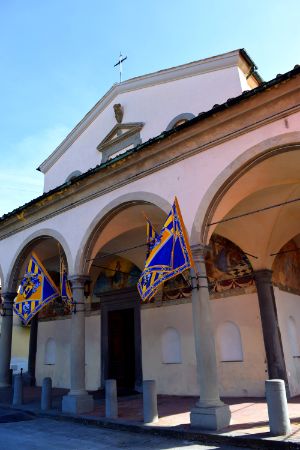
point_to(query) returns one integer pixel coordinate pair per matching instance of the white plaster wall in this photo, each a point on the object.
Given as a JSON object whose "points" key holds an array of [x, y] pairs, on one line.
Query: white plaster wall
{"points": [[190, 179], [60, 331], [172, 379], [235, 378], [246, 378], [288, 304], [20, 339], [156, 106], [92, 352]]}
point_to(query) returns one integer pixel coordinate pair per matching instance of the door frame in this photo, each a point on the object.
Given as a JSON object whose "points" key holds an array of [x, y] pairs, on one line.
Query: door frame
{"points": [[127, 298]]}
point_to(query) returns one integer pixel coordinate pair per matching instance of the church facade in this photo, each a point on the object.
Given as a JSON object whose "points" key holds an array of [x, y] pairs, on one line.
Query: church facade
{"points": [[227, 145]]}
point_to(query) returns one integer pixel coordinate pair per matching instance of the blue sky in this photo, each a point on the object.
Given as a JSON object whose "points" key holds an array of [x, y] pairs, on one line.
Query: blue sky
{"points": [[57, 60]]}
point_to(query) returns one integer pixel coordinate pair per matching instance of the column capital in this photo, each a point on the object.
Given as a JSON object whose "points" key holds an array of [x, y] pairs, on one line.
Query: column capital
{"points": [[8, 297], [263, 276], [199, 252], [78, 280]]}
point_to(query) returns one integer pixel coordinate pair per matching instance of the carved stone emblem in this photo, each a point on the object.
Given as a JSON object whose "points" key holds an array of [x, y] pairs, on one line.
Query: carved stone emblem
{"points": [[118, 112]]}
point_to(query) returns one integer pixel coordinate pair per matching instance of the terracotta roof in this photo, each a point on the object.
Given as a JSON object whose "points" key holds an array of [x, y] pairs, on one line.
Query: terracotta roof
{"points": [[203, 115]]}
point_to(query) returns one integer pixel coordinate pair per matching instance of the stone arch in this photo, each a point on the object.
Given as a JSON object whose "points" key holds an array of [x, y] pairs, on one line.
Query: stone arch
{"points": [[183, 116], [236, 169], [23, 249], [73, 175], [230, 342], [106, 214], [50, 352], [171, 346]]}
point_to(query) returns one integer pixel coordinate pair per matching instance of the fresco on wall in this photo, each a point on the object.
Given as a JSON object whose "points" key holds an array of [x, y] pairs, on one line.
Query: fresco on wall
{"points": [[116, 273], [56, 308], [286, 268], [178, 287], [227, 266]]}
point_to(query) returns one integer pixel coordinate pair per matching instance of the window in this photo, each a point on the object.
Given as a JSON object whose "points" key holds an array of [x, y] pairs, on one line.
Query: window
{"points": [[230, 343], [73, 175], [179, 120], [171, 346]]}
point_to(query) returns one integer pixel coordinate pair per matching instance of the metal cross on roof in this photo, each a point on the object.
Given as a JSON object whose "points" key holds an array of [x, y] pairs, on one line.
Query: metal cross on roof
{"points": [[119, 63]]}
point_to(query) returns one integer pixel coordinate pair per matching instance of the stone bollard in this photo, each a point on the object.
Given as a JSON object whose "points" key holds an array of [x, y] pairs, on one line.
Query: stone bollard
{"points": [[150, 401], [111, 399], [277, 408], [46, 398], [18, 390]]}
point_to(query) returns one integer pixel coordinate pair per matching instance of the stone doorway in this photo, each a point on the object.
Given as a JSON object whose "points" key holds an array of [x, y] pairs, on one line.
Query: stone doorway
{"points": [[121, 351]]}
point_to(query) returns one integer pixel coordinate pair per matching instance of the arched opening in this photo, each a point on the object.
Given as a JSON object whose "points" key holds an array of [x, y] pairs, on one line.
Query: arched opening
{"points": [[114, 258], [258, 209], [26, 339], [286, 279], [73, 175], [179, 120], [237, 209]]}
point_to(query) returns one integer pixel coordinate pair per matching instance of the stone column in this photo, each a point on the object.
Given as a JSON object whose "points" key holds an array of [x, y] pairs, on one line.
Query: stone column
{"points": [[78, 401], [270, 326], [209, 412], [6, 337], [30, 376]]}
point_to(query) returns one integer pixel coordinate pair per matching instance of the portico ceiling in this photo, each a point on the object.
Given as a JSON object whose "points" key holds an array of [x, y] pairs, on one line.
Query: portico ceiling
{"points": [[273, 181], [127, 229]]}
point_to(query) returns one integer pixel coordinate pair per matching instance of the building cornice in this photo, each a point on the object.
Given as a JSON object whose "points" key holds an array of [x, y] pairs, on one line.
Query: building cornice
{"points": [[234, 58]]}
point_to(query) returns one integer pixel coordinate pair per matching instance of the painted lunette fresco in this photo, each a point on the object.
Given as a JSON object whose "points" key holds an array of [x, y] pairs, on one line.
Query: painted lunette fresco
{"points": [[228, 268], [286, 267]]}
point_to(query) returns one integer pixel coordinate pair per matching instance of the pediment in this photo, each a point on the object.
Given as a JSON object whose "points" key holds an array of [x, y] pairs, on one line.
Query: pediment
{"points": [[121, 132]]}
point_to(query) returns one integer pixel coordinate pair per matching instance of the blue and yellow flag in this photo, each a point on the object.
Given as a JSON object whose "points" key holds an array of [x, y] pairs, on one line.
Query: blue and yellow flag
{"points": [[151, 237], [35, 291], [170, 255], [65, 288]]}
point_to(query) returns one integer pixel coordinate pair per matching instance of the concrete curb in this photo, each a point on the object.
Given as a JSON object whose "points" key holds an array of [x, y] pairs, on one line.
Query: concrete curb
{"points": [[170, 432]]}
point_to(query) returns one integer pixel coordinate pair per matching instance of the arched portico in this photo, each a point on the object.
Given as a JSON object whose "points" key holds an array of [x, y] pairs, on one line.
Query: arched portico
{"points": [[112, 255], [102, 218], [27, 246], [238, 206], [49, 246], [233, 172]]}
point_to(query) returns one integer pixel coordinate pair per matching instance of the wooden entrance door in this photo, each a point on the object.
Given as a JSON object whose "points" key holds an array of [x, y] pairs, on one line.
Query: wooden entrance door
{"points": [[121, 350]]}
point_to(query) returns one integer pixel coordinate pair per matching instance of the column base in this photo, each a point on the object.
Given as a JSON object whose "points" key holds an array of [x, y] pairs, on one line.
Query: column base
{"points": [[210, 418], [77, 404]]}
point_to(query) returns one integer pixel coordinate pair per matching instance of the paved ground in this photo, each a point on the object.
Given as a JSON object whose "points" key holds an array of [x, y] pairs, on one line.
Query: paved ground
{"points": [[46, 434], [249, 419]]}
